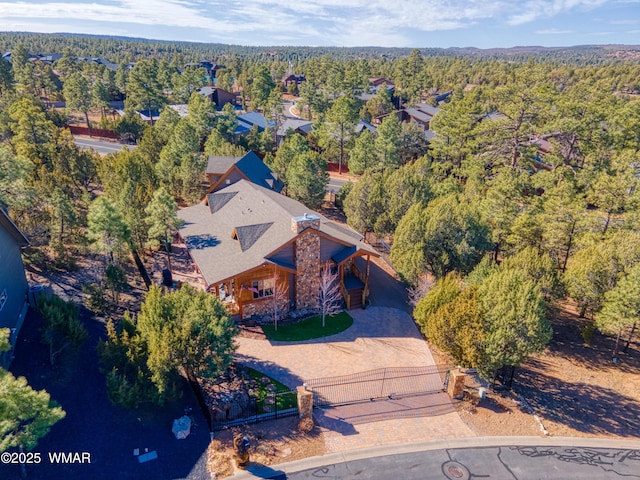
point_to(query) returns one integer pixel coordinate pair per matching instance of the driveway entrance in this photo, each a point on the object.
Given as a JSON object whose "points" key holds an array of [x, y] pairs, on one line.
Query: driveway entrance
{"points": [[379, 338], [383, 383]]}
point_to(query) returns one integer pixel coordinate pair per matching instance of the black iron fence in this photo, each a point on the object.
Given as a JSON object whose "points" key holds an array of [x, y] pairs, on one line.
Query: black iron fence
{"points": [[263, 408], [376, 384]]}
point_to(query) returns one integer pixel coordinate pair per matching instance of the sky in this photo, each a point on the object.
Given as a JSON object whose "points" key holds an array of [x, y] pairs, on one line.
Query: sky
{"points": [[386, 23]]}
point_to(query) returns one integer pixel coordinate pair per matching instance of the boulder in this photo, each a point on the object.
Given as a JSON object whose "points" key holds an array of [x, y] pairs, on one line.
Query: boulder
{"points": [[182, 427]]}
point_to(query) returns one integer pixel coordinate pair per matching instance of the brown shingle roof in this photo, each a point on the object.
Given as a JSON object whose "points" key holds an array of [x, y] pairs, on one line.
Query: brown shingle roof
{"points": [[240, 234]]}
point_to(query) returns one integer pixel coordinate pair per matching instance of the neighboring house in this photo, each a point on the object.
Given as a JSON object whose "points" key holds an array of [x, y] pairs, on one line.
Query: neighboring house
{"points": [[544, 147], [420, 114], [376, 82], [181, 109], [48, 58], [297, 125], [373, 91], [143, 114], [224, 171], [218, 96], [364, 125], [246, 121], [252, 245], [441, 97], [13, 282], [294, 79], [99, 61], [210, 67]]}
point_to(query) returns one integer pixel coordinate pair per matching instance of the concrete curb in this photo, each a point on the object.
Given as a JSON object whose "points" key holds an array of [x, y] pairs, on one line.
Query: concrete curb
{"points": [[469, 442]]}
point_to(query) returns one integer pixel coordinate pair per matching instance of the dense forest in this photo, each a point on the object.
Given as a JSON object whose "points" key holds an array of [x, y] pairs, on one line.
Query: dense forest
{"points": [[526, 192]]}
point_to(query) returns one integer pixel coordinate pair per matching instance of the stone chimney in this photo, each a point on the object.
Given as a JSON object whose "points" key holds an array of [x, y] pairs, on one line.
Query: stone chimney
{"points": [[298, 224], [307, 252]]}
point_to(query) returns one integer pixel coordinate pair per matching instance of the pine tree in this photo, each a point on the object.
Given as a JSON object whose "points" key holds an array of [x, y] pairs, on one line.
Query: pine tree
{"points": [[77, 93], [621, 308]]}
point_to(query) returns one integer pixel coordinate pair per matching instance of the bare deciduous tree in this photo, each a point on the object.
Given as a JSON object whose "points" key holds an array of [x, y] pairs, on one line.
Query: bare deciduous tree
{"points": [[330, 296], [419, 290], [280, 296]]}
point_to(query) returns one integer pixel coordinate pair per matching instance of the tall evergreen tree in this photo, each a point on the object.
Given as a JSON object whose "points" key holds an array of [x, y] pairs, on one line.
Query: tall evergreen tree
{"points": [[621, 308], [307, 178], [144, 91], [340, 122], [77, 93]]}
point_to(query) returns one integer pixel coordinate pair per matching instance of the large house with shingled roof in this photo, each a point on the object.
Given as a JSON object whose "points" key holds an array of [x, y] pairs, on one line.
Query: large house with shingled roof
{"points": [[247, 241]]}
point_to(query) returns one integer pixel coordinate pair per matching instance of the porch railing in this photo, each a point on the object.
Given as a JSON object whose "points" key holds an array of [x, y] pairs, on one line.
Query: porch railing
{"points": [[358, 274], [345, 295], [362, 276]]}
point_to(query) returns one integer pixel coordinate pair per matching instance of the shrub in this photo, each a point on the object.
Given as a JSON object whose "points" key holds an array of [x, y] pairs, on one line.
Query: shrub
{"points": [[62, 328]]}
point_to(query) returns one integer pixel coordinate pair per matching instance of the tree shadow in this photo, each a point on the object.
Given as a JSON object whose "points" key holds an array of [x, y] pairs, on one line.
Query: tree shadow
{"points": [[199, 242], [271, 369], [259, 470], [92, 424], [377, 323], [567, 342], [586, 408], [385, 290]]}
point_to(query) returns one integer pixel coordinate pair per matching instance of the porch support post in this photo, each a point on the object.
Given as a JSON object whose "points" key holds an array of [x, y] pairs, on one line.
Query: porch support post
{"points": [[237, 293], [365, 292]]}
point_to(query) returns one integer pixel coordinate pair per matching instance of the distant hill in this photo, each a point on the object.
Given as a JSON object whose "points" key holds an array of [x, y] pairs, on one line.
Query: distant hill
{"points": [[117, 48]]}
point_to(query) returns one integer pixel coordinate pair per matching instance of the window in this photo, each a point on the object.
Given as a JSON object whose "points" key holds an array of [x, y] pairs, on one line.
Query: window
{"points": [[262, 288], [3, 298]]}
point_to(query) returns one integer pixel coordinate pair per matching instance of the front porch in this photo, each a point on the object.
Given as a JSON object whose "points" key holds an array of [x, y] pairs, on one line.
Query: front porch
{"points": [[354, 281], [251, 293]]}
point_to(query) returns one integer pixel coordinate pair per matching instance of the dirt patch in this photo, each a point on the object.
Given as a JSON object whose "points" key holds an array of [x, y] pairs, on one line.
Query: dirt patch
{"points": [[272, 442], [498, 415], [88, 268], [577, 389], [574, 389]]}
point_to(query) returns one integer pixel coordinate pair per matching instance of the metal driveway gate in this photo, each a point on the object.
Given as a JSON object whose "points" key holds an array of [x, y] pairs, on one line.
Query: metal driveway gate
{"points": [[377, 384]]}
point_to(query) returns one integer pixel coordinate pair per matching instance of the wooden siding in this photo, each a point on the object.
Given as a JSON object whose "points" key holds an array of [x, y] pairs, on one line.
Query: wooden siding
{"points": [[329, 248]]}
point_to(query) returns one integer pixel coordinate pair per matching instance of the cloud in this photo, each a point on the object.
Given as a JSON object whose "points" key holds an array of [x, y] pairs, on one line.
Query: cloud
{"points": [[267, 22], [531, 10], [375, 22], [147, 12]]}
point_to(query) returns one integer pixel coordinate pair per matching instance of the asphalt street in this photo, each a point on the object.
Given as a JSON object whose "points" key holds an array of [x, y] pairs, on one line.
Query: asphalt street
{"points": [[103, 147], [536, 459]]}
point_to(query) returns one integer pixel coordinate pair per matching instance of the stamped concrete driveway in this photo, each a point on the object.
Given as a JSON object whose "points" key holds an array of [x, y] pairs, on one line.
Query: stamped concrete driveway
{"points": [[379, 337]]}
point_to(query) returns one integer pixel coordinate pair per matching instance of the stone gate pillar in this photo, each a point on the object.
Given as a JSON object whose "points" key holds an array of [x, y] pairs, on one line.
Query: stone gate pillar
{"points": [[455, 389], [305, 403]]}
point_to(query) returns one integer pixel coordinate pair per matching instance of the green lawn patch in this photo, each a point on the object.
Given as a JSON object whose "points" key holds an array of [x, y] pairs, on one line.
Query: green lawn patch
{"points": [[309, 328], [284, 398]]}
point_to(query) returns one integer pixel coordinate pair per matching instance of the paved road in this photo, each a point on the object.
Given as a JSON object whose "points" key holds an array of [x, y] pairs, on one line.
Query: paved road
{"points": [[287, 106], [103, 147], [335, 184], [501, 459]]}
